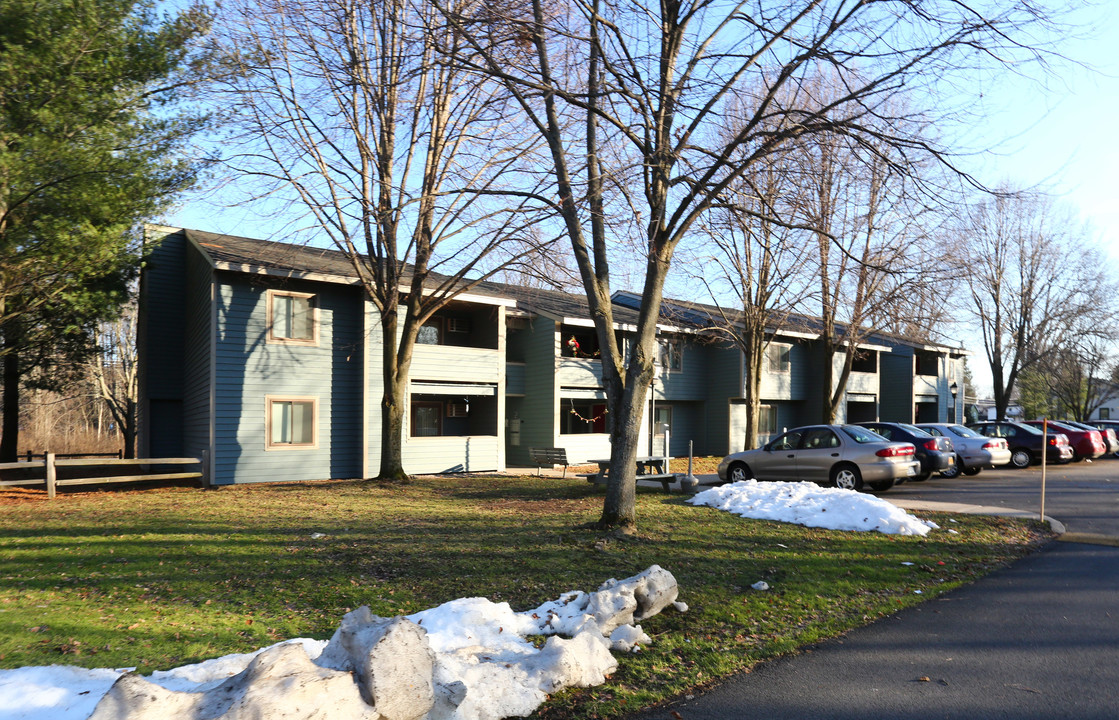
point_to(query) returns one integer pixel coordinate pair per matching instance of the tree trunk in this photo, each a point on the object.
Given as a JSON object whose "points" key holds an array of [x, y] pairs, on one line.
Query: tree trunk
{"points": [[392, 404], [753, 361], [9, 441], [619, 509], [128, 432]]}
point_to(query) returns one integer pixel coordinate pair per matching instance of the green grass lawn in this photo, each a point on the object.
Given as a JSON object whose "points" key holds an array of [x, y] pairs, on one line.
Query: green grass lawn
{"points": [[160, 578]]}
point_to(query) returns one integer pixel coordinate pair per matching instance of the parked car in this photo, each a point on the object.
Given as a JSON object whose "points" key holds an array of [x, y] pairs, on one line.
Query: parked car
{"points": [[1112, 425], [1108, 435], [1026, 442], [1085, 443], [935, 454], [974, 451], [844, 456]]}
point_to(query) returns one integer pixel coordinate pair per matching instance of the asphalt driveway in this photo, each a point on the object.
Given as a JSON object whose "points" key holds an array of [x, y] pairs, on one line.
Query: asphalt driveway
{"points": [[1038, 640]]}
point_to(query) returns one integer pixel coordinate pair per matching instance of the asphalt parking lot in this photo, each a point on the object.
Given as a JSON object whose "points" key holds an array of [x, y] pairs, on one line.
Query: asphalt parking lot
{"points": [[1084, 496], [1038, 640]]}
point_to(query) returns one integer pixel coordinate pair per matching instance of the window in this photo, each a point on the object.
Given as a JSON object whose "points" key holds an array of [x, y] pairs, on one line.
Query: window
{"points": [[577, 342], [778, 358], [865, 361], [291, 422], [427, 418], [671, 354], [926, 363], [292, 318], [862, 435], [788, 441], [767, 420], [1105, 413], [458, 325], [820, 438], [582, 416]]}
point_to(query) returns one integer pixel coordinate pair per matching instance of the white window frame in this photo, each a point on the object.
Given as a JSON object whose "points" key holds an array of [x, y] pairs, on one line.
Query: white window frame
{"points": [[269, 401], [782, 368], [671, 348], [273, 338]]}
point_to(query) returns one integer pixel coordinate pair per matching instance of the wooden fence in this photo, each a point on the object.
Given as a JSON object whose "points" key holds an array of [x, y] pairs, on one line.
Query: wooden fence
{"points": [[30, 455], [50, 465]]}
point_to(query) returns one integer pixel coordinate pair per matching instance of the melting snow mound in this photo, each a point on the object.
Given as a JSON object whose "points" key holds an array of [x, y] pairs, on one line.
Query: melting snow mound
{"points": [[808, 504], [468, 659]]}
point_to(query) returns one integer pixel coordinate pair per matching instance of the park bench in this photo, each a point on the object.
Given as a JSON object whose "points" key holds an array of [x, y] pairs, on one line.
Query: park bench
{"points": [[548, 457]]}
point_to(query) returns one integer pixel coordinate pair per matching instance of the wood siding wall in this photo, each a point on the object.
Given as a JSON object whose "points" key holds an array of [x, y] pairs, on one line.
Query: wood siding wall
{"points": [[249, 369], [159, 339], [896, 401], [536, 412], [198, 390]]}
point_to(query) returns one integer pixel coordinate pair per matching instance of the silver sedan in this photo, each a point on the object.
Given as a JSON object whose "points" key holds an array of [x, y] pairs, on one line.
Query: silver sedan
{"points": [[973, 451], [844, 456]]}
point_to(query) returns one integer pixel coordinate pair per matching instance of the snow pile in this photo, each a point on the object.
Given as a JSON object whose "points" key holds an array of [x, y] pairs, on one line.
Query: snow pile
{"points": [[808, 504], [469, 659]]}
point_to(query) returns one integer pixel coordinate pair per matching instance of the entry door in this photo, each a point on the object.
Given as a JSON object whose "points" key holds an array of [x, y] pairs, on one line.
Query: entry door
{"points": [[662, 421]]}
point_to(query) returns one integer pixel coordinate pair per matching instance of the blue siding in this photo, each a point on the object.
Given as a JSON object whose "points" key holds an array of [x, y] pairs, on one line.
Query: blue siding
{"points": [[724, 381], [896, 401], [537, 410], [249, 369], [198, 356], [688, 383], [160, 333]]}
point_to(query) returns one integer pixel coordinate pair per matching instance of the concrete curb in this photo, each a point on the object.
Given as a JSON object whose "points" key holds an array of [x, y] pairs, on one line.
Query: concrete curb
{"points": [[906, 504]]}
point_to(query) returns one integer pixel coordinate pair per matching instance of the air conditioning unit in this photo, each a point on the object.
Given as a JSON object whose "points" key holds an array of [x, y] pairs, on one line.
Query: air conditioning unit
{"points": [[458, 410]]}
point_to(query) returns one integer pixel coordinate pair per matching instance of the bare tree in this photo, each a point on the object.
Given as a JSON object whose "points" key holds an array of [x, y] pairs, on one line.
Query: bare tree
{"points": [[351, 110], [1022, 291], [863, 228], [532, 261], [760, 262], [630, 96], [114, 375], [1074, 375]]}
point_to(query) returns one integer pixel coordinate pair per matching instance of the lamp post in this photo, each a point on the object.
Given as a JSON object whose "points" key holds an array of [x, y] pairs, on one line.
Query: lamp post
{"points": [[954, 389]]}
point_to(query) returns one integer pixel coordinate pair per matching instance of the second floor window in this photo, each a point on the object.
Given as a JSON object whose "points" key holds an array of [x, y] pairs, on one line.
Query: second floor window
{"points": [[671, 354], [777, 357], [292, 318]]}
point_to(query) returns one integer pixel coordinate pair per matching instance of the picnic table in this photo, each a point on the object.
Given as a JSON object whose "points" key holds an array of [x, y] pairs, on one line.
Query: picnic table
{"points": [[648, 468]]}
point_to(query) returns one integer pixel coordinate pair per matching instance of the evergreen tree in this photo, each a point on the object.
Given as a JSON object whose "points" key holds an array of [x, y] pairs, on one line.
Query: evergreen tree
{"points": [[92, 129]]}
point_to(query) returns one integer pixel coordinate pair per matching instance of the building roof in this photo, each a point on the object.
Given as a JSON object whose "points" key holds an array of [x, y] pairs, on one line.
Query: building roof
{"points": [[248, 255]]}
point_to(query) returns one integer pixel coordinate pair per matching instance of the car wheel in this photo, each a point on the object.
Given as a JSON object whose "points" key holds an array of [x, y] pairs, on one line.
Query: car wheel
{"points": [[846, 477], [953, 471], [920, 477], [739, 472], [1021, 457], [971, 471], [881, 485]]}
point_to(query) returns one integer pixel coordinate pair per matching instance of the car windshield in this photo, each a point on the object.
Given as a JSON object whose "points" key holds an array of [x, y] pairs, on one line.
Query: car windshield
{"points": [[915, 430], [862, 435], [964, 431]]}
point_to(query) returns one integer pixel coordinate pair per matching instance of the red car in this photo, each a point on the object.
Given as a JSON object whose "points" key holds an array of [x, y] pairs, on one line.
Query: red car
{"points": [[1085, 443]]}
